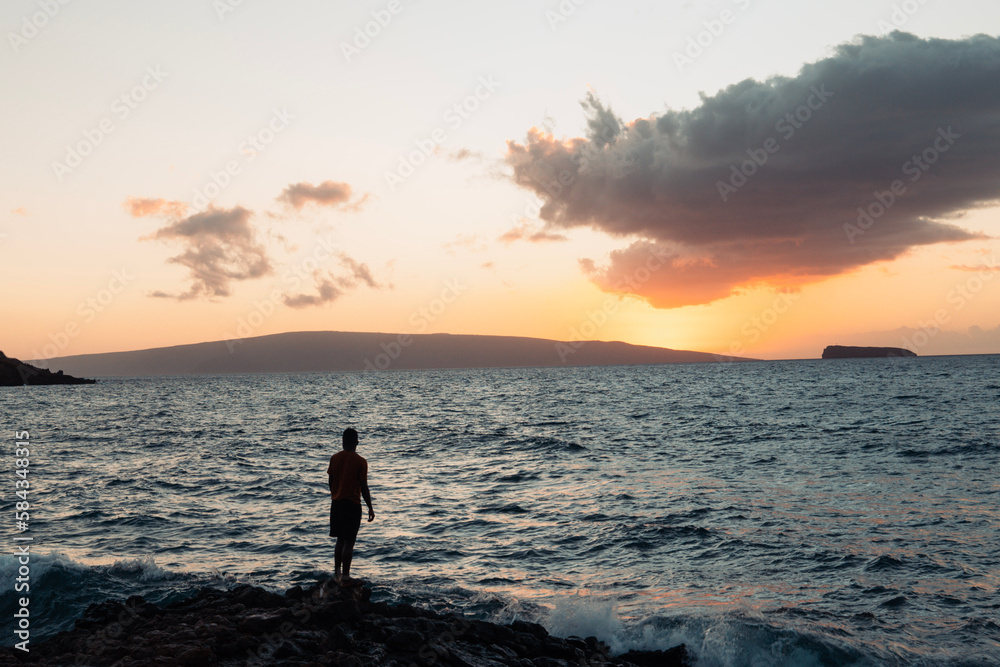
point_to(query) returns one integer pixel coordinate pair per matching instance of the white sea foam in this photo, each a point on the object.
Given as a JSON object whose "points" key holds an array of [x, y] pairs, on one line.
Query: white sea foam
{"points": [[583, 615]]}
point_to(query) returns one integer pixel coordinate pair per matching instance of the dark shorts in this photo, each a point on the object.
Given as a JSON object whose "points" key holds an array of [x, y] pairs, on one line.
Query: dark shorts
{"points": [[345, 519]]}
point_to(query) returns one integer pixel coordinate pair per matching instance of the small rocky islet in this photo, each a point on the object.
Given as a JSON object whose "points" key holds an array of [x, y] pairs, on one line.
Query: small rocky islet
{"points": [[856, 352], [322, 625]]}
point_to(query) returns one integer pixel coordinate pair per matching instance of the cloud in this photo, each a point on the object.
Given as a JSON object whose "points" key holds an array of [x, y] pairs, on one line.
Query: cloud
{"points": [[327, 193], [976, 269], [330, 287], [20, 210], [816, 146], [525, 231], [929, 339], [464, 154], [220, 246], [466, 243], [139, 207], [326, 291]]}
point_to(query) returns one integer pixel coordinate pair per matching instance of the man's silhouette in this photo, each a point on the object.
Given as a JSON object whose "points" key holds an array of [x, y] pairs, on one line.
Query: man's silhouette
{"points": [[348, 474]]}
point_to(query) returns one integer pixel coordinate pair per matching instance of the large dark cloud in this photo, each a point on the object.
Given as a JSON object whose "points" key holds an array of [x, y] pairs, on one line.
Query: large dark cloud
{"points": [[845, 128], [220, 246]]}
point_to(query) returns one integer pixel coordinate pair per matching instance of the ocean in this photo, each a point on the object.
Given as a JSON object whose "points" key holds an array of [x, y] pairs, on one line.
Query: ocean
{"points": [[841, 512]]}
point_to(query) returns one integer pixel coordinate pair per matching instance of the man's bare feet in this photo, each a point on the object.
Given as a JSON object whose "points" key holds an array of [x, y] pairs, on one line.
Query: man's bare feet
{"points": [[350, 582], [337, 577]]}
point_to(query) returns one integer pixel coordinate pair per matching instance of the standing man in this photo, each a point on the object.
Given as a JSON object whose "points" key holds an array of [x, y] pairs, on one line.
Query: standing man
{"points": [[348, 474]]}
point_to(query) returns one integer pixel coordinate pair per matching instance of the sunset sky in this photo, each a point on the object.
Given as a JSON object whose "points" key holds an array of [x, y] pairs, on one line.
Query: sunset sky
{"points": [[750, 177]]}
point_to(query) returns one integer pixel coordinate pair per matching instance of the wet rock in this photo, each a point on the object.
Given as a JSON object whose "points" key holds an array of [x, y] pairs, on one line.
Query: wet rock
{"points": [[321, 625]]}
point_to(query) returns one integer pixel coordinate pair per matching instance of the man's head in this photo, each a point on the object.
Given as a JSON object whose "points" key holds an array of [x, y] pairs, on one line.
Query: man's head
{"points": [[350, 439]]}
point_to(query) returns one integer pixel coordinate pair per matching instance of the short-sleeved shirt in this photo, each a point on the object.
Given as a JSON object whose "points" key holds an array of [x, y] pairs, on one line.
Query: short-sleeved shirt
{"points": [[348, 472]]}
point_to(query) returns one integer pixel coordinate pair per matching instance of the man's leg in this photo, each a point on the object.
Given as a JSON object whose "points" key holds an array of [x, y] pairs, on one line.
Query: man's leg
{"points": [[345, 557], [338, 559]]}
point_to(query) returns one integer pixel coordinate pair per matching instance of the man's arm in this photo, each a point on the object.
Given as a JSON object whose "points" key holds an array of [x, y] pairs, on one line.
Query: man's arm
{"points": [[367, 495]]}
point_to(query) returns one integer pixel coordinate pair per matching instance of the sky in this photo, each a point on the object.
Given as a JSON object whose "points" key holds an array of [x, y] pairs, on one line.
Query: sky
{"points": [[752, 177]]}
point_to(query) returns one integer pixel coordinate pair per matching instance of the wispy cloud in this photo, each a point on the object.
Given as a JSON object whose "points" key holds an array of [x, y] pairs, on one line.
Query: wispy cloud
{"points": [[525, 231], [327, 193], [219, 246], [139, 207], [331, 286]]}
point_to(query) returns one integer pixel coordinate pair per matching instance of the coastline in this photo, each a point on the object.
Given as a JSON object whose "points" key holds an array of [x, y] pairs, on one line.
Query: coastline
{"points": [[321, 625]]}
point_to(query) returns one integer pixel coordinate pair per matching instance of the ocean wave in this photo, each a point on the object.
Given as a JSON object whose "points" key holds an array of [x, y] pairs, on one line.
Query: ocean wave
{"points": [[61, 588]]}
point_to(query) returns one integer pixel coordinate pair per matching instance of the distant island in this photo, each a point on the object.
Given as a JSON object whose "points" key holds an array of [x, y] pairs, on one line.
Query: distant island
{"points": [[849, 352], [330, 351], [16, 373]]}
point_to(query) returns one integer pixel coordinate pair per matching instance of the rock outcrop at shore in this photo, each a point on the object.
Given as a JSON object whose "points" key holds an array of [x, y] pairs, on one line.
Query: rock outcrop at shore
{"points": [[16, 373], [849, 352], [323, 625]]}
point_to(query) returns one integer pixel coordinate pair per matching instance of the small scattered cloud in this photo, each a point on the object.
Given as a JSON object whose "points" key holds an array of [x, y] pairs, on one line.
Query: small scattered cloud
{"points": [[140, 207], [220, 247], [466, 243], [20, 210], [525, 231], [326, 291], [331, 286], [460, 154], [976, 269], [327, 193]]}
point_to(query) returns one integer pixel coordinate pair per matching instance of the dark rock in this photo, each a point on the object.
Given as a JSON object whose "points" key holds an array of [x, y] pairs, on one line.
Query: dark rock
{"points": [[16, 373], [405, 640], [321, 625], [295, 593], [849, 352], [530, 628], [674, 657]]}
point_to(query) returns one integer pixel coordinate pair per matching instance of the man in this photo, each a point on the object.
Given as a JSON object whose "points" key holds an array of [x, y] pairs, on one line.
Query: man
{"points": [[348, 474]]}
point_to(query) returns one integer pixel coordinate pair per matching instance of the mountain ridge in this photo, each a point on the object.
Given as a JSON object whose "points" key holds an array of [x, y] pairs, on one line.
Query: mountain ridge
{"points": [[332, 351]]}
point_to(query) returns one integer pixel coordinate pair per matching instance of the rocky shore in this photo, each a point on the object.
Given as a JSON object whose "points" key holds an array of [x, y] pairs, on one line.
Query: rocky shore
{"points": [[16, 373], [322, 625]]}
